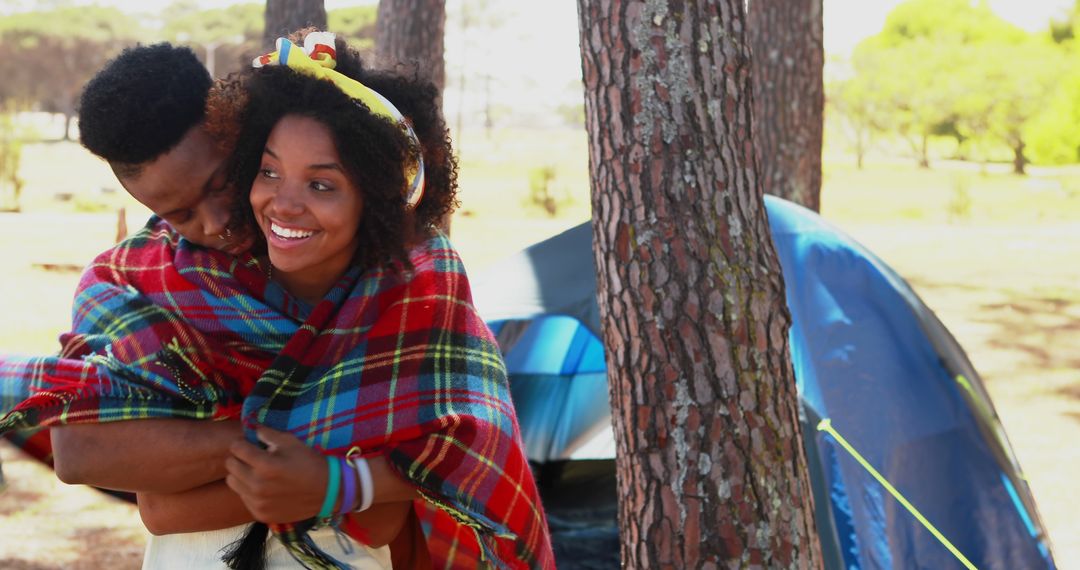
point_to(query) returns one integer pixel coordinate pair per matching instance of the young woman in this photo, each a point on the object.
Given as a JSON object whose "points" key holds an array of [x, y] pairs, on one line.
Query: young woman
{"points": [[336, 182], [353, 338]]}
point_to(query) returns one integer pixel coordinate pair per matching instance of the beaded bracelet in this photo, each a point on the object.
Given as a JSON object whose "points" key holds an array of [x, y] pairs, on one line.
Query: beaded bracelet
{"points": [[333, 482]]}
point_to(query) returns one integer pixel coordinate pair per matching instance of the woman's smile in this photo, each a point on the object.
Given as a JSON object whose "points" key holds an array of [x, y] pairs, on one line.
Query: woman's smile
{"points": [[284, 236], [307, 207]]}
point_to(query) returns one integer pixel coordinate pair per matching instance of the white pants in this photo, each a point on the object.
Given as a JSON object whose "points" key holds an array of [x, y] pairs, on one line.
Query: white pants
{"points": [[203, 550]]}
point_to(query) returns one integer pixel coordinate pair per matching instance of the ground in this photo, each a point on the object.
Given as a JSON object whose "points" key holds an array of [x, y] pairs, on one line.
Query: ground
{"points": [[992, 254]]}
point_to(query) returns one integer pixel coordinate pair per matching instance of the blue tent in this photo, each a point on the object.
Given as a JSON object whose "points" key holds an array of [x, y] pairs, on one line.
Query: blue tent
{"points": [[912, 469]]}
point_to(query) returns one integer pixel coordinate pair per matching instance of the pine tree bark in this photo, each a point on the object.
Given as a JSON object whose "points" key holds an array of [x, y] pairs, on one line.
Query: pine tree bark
{"points": [[711, 468], [284, 17], [789, 96], [411, 32]]}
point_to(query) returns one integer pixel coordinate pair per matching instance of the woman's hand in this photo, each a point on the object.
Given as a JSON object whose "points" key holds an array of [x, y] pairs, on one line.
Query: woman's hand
{"points": [[285, 482]]}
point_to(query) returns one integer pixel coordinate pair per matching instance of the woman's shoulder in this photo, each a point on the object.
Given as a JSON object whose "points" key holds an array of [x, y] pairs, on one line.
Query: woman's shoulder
{"points": [[436, 254]]}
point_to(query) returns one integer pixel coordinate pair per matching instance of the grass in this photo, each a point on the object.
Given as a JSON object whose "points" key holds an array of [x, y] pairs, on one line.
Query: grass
{"points": [[1000, 271], [896, 192]]}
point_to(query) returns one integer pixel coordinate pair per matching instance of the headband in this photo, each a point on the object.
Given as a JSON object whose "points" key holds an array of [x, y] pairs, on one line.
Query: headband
{"points": [[317, 59]]}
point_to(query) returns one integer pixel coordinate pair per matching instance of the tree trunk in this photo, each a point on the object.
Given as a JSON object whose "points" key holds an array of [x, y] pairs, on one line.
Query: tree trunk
{"points": [[711, 468], [1019, 160], [121, 225], [860, 149], [789, 96], [411, 32], [924, 152], [284, 17]]}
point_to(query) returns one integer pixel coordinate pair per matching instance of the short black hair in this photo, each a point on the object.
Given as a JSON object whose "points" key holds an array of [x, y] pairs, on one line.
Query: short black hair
{"points": [[141, 104]]}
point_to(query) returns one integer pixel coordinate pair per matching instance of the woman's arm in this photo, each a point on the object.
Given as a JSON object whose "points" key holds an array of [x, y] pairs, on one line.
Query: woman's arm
{"points": [[152, 455], [381, 524]]}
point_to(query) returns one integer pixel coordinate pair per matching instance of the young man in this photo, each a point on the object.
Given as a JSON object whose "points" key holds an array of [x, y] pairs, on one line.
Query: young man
{"points": [[143, 113]]}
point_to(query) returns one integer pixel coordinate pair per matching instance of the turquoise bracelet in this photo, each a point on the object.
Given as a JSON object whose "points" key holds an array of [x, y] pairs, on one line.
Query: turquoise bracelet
{"points": [[333, 482]]}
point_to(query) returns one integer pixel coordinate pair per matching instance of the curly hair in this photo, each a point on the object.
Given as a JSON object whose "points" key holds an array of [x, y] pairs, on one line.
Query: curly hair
{"points": [[373, 152], [418, 100], [141, 104], [243, 109]]}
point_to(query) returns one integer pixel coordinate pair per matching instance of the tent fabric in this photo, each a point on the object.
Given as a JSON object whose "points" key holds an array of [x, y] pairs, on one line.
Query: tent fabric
{"points": [[867, 354], [554, 277], [559, 370]]}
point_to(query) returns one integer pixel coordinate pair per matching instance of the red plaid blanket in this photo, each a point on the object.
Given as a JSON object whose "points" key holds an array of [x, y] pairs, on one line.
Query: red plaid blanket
{"points": [[395, 362]]}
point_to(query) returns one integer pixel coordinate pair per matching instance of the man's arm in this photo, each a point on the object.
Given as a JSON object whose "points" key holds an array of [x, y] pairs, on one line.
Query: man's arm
{"points": [[209, 507], [214, 506], [152, 455]]}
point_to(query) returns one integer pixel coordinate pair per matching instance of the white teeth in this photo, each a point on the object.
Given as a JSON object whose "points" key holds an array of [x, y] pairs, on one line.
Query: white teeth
{"points": [[289, 233]]}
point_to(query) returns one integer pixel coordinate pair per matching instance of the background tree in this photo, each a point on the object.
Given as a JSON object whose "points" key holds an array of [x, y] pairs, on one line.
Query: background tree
{"points": [[914, 89], [1055, 131], [860, 111], [49, 55], [1066, 28], [711, 469], [952, 68], [285, 16], [481, 26], [226, 38], [411, 32], [11, 184], [789, 96], [357, 25], [1006, 86]]}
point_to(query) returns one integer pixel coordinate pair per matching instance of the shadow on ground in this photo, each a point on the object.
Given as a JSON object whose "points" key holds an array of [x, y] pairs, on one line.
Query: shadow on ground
{"points": [[1029, 330], [1045, 329]]}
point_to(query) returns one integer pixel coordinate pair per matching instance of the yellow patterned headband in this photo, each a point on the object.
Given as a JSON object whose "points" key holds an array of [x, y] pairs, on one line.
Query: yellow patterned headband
{"points": [[318, 58]]}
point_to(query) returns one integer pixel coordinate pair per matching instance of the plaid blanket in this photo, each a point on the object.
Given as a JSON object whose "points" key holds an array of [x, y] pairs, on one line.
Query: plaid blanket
{"points": [[397, 363]]}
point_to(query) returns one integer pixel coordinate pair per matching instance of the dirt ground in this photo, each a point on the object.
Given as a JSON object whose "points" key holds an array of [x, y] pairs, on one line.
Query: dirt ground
{"points": [[1008, 290]]}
